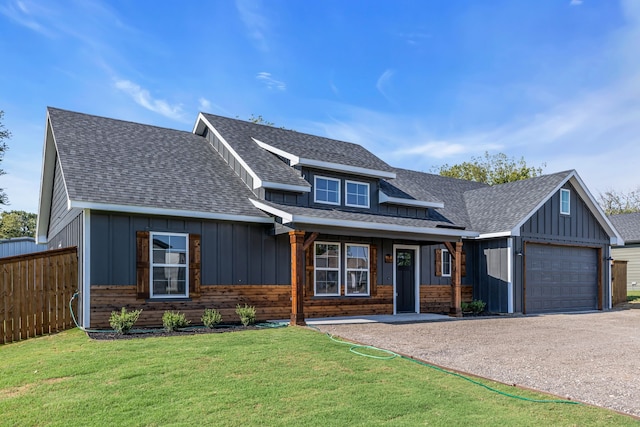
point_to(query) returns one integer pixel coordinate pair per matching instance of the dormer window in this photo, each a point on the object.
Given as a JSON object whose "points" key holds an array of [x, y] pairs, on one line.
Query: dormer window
{"points": [[326, 190], [357, 194], [565, 202]]}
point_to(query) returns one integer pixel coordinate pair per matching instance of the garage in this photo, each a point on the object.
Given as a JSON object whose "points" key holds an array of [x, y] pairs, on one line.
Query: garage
{"points": [[560, 278]]}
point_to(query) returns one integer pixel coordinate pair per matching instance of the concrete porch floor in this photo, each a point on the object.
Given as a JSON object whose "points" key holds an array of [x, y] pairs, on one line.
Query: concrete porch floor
{"points": [[380, 318]]}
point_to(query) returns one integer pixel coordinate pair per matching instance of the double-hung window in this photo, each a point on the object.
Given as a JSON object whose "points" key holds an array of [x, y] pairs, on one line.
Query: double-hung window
{"points": [[169, 257], [326, 190], [565, 201], [327, 268], [357, 194], [357, 269], [446, 263]]}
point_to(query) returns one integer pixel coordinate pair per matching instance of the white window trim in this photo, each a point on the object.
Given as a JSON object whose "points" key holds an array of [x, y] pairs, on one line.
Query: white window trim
{"points": [[152, 264], [316, 269], [315, 190], [346, 194], [442, 255], [568, 193], [347, 270]]}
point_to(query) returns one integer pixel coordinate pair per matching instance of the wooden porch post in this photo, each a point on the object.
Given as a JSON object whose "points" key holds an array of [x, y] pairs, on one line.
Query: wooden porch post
{"points": [[296, 238], [456, 278]]}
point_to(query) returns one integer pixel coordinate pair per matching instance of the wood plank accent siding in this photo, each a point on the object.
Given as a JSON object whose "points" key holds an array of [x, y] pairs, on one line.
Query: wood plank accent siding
{"points": [[619, 282], [35, 291], [437, 298], [270, 301]]}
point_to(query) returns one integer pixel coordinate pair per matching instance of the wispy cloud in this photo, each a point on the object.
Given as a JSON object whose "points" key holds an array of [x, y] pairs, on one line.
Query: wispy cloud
{"points": [[254, 19], [270, 82], [575, 2], [143, 97], [28, 15], [414, 38], [204, 104], [383, 83]]}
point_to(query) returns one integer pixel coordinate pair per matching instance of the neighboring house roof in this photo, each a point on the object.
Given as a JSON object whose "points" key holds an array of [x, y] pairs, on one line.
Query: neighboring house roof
{"points": [[118, 165], [628, 225]]}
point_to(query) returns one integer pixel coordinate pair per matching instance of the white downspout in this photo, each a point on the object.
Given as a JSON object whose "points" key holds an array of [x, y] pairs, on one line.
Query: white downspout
{"points": [[610, 301], [510, 274], [86, 269]]}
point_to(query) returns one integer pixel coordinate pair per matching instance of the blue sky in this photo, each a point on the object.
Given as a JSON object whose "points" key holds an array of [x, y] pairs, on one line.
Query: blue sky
{"points": [[419, 83]]}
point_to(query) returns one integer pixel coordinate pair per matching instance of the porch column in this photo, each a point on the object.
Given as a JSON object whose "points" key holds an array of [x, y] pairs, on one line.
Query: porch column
{"points": [[296, 238], [456, 279]]}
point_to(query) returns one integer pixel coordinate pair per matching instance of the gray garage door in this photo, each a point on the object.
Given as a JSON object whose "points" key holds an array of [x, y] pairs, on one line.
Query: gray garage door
{"points": [[560, 278]]}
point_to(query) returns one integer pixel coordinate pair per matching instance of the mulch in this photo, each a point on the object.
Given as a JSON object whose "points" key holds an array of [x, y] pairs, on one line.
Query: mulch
{"points": [[159, 332]]}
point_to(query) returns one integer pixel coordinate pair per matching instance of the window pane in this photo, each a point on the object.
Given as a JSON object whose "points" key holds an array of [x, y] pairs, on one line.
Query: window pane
{"points": [[178, 243], [357, 194], [327, 256], [161, 242], [169, 280], [326, 282], [332, 186], [357, 282], [357, 257]]}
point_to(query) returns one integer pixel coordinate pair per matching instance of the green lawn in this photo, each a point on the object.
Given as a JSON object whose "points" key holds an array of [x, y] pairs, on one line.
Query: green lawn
{"points": [[288, 376], [633, 296]]}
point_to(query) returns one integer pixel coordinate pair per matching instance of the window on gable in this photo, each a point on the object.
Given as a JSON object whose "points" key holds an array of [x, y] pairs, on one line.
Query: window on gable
{"points": [[169, 265], [565, 201], [357, 269], [446, 263], [327, 268], [327, 190], [357, 194]]}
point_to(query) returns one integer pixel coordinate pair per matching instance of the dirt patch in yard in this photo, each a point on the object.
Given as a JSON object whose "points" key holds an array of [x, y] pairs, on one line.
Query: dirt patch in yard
{"points": [[590, 357]]}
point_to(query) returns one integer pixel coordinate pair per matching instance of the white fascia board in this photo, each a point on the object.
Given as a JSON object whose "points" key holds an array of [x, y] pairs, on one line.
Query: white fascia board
{"points": [[383, 198], [286, 187], [257, 182], [337, 167], [289, 156], [383, 227], [286, 217], [498, 234], [166, 212], [595, 208]]}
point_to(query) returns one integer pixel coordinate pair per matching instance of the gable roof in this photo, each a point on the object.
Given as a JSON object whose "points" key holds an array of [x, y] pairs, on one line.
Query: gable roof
{"points": [[113, 164], [502, 209], [296, 147], [628, 225]]}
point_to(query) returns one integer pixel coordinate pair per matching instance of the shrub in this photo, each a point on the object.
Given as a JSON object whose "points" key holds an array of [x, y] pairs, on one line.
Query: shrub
{"points": [[173, 321], [123, 321], [247, 314], [211, 318], [476, 306]]}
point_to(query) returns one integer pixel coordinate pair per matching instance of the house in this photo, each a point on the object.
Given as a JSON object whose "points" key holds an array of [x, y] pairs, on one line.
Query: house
{"points": [[300, 226], [628, 225], [19, 246]]}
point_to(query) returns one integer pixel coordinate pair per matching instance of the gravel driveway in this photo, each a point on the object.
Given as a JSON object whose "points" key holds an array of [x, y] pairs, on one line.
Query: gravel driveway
{"points": [[590, 357]]}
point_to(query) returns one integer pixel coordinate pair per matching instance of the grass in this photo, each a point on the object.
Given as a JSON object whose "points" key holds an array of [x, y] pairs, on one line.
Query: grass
{"points": [[633, 296], [288, 376]]}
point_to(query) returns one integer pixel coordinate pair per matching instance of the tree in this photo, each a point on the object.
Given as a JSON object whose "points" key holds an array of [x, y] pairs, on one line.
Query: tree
{"points": [[17, 224], [614, 202], [490, 169], [4, 134]]}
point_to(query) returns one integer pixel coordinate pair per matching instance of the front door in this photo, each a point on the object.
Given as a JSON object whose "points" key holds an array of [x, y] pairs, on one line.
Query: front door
{"points": [[405, 281]]}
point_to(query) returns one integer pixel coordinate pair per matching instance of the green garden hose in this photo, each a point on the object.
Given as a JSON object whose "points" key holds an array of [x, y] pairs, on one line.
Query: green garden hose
{"points": [[357, 349]]}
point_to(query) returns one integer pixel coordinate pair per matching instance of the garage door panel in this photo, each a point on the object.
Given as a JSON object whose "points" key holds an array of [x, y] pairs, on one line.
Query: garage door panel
{"points": [[560, 278]]}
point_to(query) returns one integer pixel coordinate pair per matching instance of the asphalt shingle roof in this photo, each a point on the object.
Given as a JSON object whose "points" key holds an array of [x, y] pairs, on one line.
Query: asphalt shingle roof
{"points": [[118, 162], [628, 225], [501, 207], [239, 133], [339, 214], [435, 188], [267, 166]]}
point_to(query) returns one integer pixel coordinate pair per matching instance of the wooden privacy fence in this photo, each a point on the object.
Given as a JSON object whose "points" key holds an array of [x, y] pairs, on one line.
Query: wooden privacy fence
{"points": [[618, 282], [35, 290]]}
